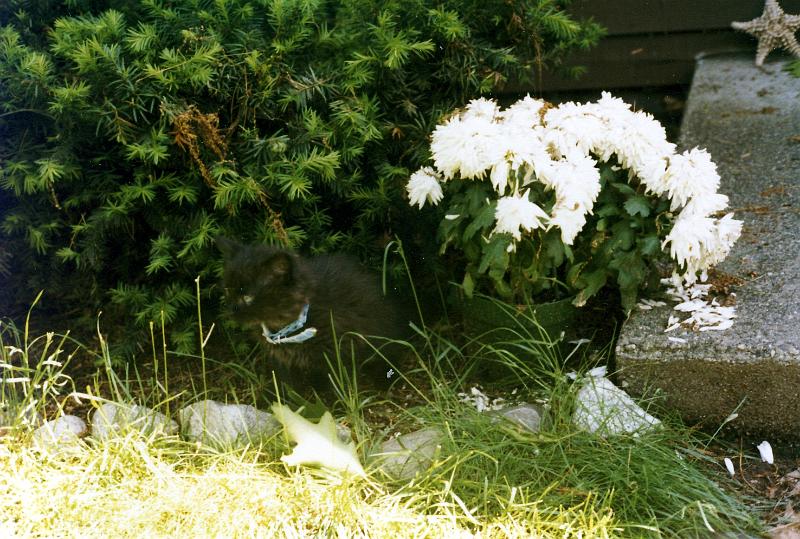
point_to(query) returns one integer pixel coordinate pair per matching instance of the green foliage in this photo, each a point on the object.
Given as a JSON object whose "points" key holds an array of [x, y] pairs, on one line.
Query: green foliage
{"points": [[619, 245], [625, 244], [133, 132], [793, 68]]}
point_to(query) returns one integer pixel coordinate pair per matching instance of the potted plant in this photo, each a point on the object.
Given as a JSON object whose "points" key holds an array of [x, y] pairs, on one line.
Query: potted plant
{"points": [[546, 202]]}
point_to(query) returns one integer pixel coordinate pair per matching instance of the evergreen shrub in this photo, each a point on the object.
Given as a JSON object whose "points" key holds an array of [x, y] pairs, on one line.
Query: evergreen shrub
{"points": [[134, 132]]}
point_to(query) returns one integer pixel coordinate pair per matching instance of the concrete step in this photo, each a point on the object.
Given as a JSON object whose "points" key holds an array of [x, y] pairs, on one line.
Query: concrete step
{"points": [[749, 120]]}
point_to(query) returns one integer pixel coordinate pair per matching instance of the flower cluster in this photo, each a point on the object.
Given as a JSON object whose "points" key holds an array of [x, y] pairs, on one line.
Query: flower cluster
{"points": [[561, 150]]}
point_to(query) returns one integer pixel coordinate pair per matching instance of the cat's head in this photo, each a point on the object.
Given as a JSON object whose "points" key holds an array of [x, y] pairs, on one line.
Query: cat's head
{"points": [[262, 284]]}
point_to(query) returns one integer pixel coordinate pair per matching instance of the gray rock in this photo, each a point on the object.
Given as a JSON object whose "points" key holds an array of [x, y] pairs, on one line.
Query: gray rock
{"points": [[344, 433], [748, 119], [113, 419], [405, 456], [226, 426], [59, 435], [604, 409], [526, 416]]}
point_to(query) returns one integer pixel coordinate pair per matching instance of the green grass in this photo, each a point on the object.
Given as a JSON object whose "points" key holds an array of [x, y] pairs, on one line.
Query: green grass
{"points": [[489, 480]]}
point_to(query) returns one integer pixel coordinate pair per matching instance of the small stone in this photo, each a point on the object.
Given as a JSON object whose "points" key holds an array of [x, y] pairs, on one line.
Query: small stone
{"points": [[113, 419], [343, 433], [604, 409], [59, 435], [527, 416], [226, 426], [405, 456]]}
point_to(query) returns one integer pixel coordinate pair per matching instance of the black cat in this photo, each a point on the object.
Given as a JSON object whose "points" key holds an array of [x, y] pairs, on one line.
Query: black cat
{"points": [[298, 302]]}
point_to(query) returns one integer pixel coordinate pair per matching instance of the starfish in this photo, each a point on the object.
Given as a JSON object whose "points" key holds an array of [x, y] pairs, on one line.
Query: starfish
{"points": [[773, 29]]}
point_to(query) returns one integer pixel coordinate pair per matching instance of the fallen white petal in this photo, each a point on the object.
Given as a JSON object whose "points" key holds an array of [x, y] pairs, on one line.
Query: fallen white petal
{"points": [[729, 466], [766, 452], [689, 306]]}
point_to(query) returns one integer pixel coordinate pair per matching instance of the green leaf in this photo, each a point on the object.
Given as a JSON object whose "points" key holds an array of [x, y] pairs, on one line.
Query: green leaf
{"points": [[623, 188], [622, 237], [793, 68], [480, 222], [495, 253], [638, 205], [468, 284], [183, 194], [649, 245], [607, 210], [67, 254], [590, 284]]}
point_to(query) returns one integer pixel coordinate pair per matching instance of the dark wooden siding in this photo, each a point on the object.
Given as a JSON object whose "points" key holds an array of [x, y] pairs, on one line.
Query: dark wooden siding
{"points": [[655, 42]]}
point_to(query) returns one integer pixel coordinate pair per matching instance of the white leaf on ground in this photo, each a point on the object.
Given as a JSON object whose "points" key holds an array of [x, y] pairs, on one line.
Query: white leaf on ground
{"points": [[317, 444]]}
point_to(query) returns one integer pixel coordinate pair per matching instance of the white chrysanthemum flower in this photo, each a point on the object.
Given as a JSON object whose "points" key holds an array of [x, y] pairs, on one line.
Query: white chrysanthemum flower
{"points": [[700, 242], [650, 131], [576, 181], [570, 222], [650, 171], [689, 175], [688, 238], [571, 126], [481, 108], [525, 150], [705, 205], [561, 147], [517, 212], [466, 145], [613, 109], [499, 176], [525, 113], [424, 186], [726, 231]]}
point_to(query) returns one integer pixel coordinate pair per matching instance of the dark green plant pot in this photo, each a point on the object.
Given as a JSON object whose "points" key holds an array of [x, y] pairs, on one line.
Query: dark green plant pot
{"points": [[493, 321]]}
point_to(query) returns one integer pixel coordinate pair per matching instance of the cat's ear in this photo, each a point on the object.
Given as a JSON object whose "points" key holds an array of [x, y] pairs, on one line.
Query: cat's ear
{"points": [[281, 265], [227, 246]]}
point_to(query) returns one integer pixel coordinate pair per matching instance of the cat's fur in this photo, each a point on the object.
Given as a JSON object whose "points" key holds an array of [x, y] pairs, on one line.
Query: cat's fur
{"points": [[270, 286]]}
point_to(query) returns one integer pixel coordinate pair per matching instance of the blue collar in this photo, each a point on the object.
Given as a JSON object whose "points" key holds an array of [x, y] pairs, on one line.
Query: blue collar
{"points": [[282, 336]]}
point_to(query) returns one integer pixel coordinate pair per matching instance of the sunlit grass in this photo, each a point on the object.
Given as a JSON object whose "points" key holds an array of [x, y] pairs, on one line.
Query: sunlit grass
{"points": [[133, 487], [490, 479]]}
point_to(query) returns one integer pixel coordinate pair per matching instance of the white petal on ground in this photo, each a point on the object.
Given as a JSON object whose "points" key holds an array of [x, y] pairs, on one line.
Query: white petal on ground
{"points": [[765, 450], [729, 466], [704, 314]]}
